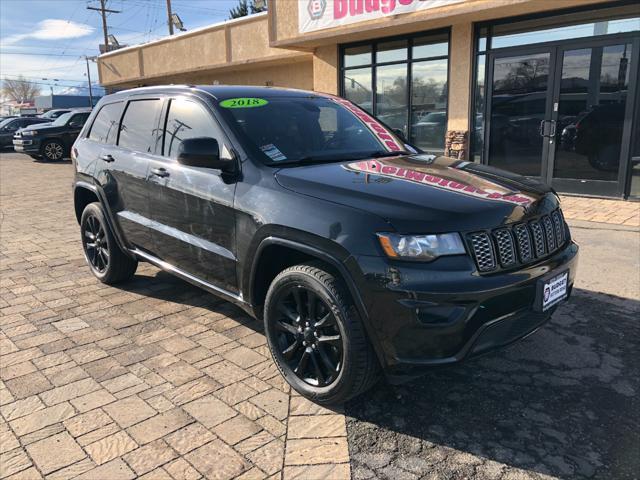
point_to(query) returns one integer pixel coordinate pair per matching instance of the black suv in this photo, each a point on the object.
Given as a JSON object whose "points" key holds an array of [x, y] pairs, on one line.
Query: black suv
{"points": [[9, 126], [359, 252], [53, 140]]}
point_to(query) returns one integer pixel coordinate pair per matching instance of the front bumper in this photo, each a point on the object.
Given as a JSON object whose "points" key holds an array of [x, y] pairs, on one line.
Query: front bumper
{"points": [[26, 145], [443, 312]]}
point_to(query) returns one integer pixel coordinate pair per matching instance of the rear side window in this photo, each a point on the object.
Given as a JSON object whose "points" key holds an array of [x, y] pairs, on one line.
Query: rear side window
{"points": [[186, 119], [105, 126], [79, 118], [139, 125]]}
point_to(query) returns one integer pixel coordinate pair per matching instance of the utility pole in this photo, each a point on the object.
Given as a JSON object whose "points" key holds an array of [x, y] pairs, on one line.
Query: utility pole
{"points": [[89, 80], [169, 17], [103, 11]]}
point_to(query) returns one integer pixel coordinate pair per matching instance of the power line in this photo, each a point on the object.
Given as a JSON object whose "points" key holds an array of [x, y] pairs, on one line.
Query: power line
{"points": [[41, 54], [103, 12]]}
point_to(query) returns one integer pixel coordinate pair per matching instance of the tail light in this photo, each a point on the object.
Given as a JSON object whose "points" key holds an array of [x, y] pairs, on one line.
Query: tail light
{"points": [[74, 154]]}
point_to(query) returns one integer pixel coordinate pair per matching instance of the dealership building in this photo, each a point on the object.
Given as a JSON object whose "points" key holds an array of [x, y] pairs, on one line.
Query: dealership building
{"points": [[544, 88]]}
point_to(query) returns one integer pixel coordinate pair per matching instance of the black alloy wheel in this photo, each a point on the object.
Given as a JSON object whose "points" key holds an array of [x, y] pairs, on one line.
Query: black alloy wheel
{"points": [[95, 243], [107, 261], [53, 151], [308, 338]]}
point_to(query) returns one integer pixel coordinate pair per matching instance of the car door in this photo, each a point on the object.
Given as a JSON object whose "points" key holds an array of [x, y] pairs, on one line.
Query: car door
{"points": [[122, 168], [6, 135], [192, 207], [74, 126]]}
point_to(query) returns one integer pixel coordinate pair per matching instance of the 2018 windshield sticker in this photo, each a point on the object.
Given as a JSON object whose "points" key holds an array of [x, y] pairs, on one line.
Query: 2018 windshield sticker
{"points": [[244, 102]]}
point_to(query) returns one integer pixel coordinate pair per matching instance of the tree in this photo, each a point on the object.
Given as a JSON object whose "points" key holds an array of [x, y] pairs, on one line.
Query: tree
{"points": [[19, 90], [244, 8]]}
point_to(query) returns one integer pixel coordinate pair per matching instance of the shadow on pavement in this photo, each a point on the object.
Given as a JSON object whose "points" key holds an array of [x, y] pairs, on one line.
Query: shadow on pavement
{"points": [[563, 402]]}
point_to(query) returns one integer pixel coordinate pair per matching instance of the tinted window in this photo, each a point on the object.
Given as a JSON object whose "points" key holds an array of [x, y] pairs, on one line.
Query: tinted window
{"points": [[80, 118], [105, 126], [139, 125], [291, 129], [62, 119], [186, 119]]}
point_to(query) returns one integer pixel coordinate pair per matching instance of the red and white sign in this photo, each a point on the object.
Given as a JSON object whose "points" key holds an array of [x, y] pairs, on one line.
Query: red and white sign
{"points": [[320, 14]]}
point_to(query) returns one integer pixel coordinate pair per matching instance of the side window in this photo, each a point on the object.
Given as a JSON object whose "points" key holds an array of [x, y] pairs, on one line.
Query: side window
{"points": [[187, 119], [139, 125], [105, 125], [80, 118]]}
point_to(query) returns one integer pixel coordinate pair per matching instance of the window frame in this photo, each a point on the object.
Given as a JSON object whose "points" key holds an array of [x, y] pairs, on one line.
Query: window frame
{"points": [[131, 100], [410, 60], [164, 119], [118, 121]]}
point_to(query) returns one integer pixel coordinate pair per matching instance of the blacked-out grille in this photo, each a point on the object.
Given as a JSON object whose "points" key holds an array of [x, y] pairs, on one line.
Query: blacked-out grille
{"points": [[549, 234], [558, 227], [523, 238], [538, 239], [483, 251], [518, 244], [505, 247]]}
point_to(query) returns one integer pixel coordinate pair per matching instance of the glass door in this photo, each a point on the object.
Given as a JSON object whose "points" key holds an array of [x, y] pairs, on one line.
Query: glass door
{"points": [[589, 147], [519, 110]]}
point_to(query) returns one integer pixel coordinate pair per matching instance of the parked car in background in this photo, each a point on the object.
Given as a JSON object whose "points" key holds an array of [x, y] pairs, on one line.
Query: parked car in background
{"points": [[11, 125], [53, 114], [52, 141], [357, 252]]}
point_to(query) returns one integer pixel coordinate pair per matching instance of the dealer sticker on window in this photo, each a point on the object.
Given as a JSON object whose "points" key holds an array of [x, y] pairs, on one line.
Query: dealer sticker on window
{"points": [[273, 152], [554, 290], [244, 102]]}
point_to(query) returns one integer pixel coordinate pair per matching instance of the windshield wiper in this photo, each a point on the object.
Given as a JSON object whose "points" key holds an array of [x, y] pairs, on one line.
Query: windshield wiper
{"points": [[395, 153]]}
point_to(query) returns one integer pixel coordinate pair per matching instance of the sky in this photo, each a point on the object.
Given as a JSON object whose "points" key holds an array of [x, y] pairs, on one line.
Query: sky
{"points": [[46, 40]]}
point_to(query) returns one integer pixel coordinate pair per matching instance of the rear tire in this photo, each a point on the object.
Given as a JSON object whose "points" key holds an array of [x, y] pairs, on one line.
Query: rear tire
{"points": [[53, 150], [107, 262], [316, 336]]}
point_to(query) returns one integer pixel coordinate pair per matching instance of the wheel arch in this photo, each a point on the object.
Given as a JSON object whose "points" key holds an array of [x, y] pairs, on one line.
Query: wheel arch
{"points": [[85, 193], [275, 254]]}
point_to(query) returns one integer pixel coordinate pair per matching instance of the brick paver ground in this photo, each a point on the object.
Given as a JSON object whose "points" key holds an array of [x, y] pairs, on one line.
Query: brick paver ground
{"points": [[618, 212], [156, 379]]}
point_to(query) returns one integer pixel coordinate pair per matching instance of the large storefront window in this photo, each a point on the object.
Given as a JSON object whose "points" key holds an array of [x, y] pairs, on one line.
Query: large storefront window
{"points": [[554, 96], [404, 83]]}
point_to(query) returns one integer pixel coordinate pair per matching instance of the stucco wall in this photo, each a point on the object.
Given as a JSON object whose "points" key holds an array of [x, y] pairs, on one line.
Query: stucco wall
{"points": [[220, 47], [325, 69], [460, 75]]}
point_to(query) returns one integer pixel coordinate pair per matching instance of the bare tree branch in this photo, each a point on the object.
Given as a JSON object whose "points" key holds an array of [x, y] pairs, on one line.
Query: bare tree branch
{"points": [[19, 90]]}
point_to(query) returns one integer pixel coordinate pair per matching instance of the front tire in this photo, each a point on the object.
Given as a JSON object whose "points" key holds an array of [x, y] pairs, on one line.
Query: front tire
{"points": [[52, 150], [316, 336], [107, 262]]}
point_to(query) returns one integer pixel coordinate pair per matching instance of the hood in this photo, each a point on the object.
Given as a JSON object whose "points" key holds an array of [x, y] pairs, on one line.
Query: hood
{"points": [[423, 193], [43, 126]]}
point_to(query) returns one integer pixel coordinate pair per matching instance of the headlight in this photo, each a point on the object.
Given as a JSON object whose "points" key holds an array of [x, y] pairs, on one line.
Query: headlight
{"points": [[30, 132], [421, 247]]}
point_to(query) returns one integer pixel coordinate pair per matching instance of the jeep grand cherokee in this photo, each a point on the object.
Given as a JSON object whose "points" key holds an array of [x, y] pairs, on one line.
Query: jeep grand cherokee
{"points": [[360, 253]]}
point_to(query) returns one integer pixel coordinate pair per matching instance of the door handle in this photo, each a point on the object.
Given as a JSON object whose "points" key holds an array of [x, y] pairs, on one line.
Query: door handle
{"points": [[107, 158], [160, 172]]}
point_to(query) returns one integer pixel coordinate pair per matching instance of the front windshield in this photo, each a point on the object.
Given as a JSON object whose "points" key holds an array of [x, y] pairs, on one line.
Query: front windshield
{"points": [[282, 130], [6, 122], [51, 114], [62, 119]]}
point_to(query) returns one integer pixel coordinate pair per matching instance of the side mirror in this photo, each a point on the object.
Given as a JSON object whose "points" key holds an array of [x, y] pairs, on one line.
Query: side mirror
{"points": [[76, 124], [400, 133], [202, 152]]}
